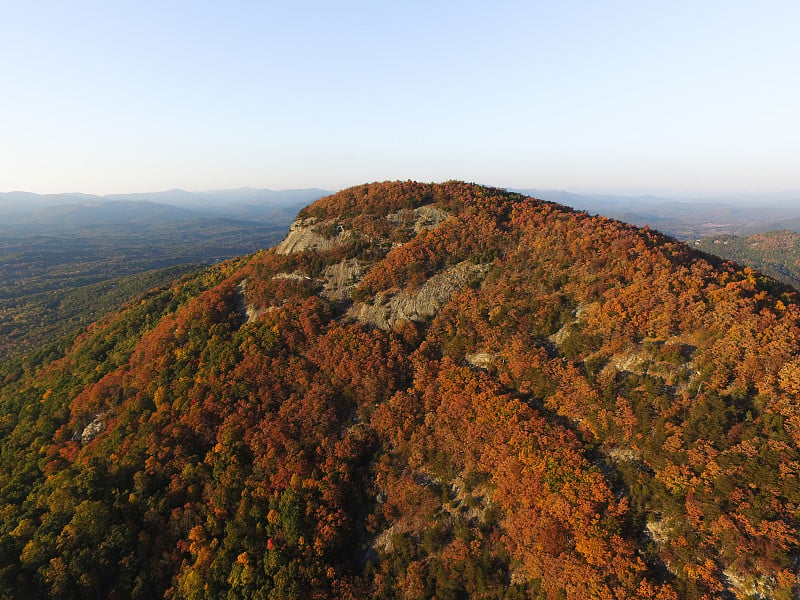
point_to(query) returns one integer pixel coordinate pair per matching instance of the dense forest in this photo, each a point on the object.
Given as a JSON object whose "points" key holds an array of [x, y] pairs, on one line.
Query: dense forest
{"points": [[444, 391], [775, 253]]}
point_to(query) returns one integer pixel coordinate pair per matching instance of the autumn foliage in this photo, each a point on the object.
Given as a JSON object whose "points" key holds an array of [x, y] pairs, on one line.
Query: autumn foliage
{"points": [[599, 413]]}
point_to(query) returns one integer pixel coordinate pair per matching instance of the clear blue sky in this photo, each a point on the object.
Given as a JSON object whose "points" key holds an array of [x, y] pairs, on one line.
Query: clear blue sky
{"points": [[109, 96]]}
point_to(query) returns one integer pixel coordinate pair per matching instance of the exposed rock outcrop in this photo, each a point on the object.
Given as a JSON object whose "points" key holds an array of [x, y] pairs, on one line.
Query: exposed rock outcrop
{"points": [[339, 280], [559, 336], [248, 312], [93, 429], [305, 234], [418, 219], [482, 360], [293, 276], [424, 303], [760, 588]]}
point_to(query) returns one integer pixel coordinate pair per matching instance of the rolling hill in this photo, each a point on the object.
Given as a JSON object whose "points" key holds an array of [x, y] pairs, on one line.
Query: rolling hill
{"points": [[424, 390]]}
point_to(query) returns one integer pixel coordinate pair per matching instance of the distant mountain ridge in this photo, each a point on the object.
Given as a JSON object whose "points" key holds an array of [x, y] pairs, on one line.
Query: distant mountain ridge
{"points": [[120, 212], [34, 209]]}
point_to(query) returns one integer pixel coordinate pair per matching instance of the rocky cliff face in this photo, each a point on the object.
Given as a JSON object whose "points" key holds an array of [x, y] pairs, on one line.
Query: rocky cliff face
{"points": [[338, 281], [308, 234], [421, 304]]}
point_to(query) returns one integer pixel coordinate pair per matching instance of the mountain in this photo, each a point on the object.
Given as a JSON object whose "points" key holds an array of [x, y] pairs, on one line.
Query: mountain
{"points": [[21, 203], [424, 390], [689, 218]]}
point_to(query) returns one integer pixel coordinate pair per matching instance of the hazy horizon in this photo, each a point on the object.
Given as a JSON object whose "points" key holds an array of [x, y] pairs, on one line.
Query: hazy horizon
{"points": [[610, 192]]}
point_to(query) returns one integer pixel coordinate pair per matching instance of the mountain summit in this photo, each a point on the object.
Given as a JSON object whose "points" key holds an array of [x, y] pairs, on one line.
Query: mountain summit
{"points": [[424, 390]]}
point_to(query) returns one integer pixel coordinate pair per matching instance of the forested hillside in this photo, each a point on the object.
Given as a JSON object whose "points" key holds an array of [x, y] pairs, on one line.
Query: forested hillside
{"points": [[775, 253], [424, 391]]}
